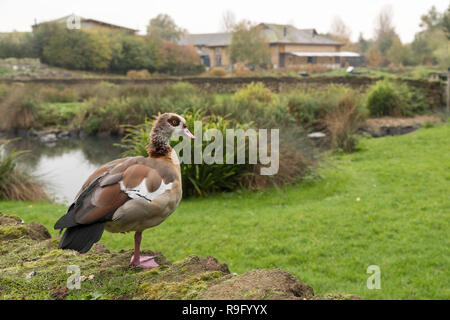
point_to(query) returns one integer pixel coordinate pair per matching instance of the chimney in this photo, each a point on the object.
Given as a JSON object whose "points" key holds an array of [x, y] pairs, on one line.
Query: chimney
{"points": [[284, 31]]}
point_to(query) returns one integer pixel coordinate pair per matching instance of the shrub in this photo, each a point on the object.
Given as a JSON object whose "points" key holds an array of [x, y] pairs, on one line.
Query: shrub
{"points": [[180, 60], [218, 72], [180, 90], [108, 115], [254, 93], [240, 70], [56, 114], [138, 74], [49, 94], [383, 100], [198, 179], [305, 107], [102, 90], [15, 184], [182, 96], [314, 68], [389, 98], [93, 125], [253, 102], [310, 107]]}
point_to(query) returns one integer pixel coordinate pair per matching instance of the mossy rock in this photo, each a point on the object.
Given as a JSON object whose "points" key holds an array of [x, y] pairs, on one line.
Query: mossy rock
{"points": [[260, 284], [32, 267], [12, 227]]}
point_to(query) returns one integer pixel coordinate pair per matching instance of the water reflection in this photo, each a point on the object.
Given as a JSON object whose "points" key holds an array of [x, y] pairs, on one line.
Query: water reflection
{"points": [[64, 165]]}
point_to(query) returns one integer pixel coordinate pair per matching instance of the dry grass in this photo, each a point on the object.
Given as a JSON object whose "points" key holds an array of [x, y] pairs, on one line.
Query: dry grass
{"points": [[343, 122], [292, 167], [138, 74], [15, 184], [18, 110], [217, 72]]}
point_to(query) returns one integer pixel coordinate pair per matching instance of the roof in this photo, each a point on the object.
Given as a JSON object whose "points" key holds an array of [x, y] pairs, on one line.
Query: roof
{"points": [[279, 33], [274, 33], [64, 19], [207, 39], [325, 54]]}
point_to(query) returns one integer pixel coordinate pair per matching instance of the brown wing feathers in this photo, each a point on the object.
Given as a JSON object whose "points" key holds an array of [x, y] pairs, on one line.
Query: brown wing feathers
{"points": [[81, 237], [86, 217], [102, 195]]}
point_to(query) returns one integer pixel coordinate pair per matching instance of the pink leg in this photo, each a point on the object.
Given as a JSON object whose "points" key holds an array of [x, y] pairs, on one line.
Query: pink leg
{"points": [[136, 259]]}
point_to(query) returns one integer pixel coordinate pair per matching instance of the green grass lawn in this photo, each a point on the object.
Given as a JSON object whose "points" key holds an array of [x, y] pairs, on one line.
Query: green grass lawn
{"points": [[319, 231], [417, 72]]}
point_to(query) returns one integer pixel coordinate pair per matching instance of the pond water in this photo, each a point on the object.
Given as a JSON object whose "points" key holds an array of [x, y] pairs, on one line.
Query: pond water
{"points": [[63, 166]]}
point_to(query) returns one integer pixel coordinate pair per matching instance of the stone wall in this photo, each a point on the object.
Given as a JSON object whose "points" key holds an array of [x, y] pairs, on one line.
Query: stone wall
{"points": [[432, 90]]}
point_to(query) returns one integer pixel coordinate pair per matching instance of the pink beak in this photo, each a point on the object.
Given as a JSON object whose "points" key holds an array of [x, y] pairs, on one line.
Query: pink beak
{"points": [[188, 133]]}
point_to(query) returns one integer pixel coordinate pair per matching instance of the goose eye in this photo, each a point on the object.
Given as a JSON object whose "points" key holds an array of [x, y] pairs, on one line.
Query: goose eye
{"points": [[174, 122]]}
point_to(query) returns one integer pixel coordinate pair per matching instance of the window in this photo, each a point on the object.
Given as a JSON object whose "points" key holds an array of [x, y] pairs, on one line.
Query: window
{"points": [[312, 60], [205, 61], [337, 60], [217, 57], [218, 60]]}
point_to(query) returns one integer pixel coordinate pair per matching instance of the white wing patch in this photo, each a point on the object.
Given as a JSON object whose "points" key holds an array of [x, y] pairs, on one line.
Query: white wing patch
{"points": [[141, 190]]}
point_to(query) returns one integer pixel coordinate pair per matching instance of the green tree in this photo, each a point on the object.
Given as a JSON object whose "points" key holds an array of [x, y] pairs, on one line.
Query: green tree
{"points": [[430, 45], [431, 20], [421, 50], [445, 24], [164, 27], [17, 45], [362, 44], [135, 53], [400, 54], [42, 35], [77, 49], [248, 45]]}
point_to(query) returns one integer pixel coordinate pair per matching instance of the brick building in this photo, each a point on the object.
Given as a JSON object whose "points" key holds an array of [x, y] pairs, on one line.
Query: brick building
{"points": [[289, 47]]}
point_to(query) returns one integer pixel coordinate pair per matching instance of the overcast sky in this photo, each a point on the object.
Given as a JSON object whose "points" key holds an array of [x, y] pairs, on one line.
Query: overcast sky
{"points": [[203, 16]]}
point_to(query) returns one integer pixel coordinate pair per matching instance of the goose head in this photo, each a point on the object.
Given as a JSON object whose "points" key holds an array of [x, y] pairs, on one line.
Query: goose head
{"points": [[165, 126]]}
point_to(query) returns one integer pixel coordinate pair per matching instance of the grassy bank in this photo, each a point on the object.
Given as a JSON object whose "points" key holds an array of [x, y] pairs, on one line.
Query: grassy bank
{"points": [[385, 205], [106, 107]]}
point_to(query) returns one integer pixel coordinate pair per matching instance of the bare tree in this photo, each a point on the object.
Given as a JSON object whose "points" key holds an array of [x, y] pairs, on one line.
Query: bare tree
{"points": [[228, 21], [383, 22], [340, 30], [385, 34]]}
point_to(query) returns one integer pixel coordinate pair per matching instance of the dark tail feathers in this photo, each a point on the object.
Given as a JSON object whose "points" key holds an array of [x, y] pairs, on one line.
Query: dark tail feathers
{"points": [[82, 237]]}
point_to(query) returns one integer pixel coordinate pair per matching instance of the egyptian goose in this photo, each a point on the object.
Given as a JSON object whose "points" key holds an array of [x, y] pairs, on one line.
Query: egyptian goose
{"points": [[129, 194]]}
